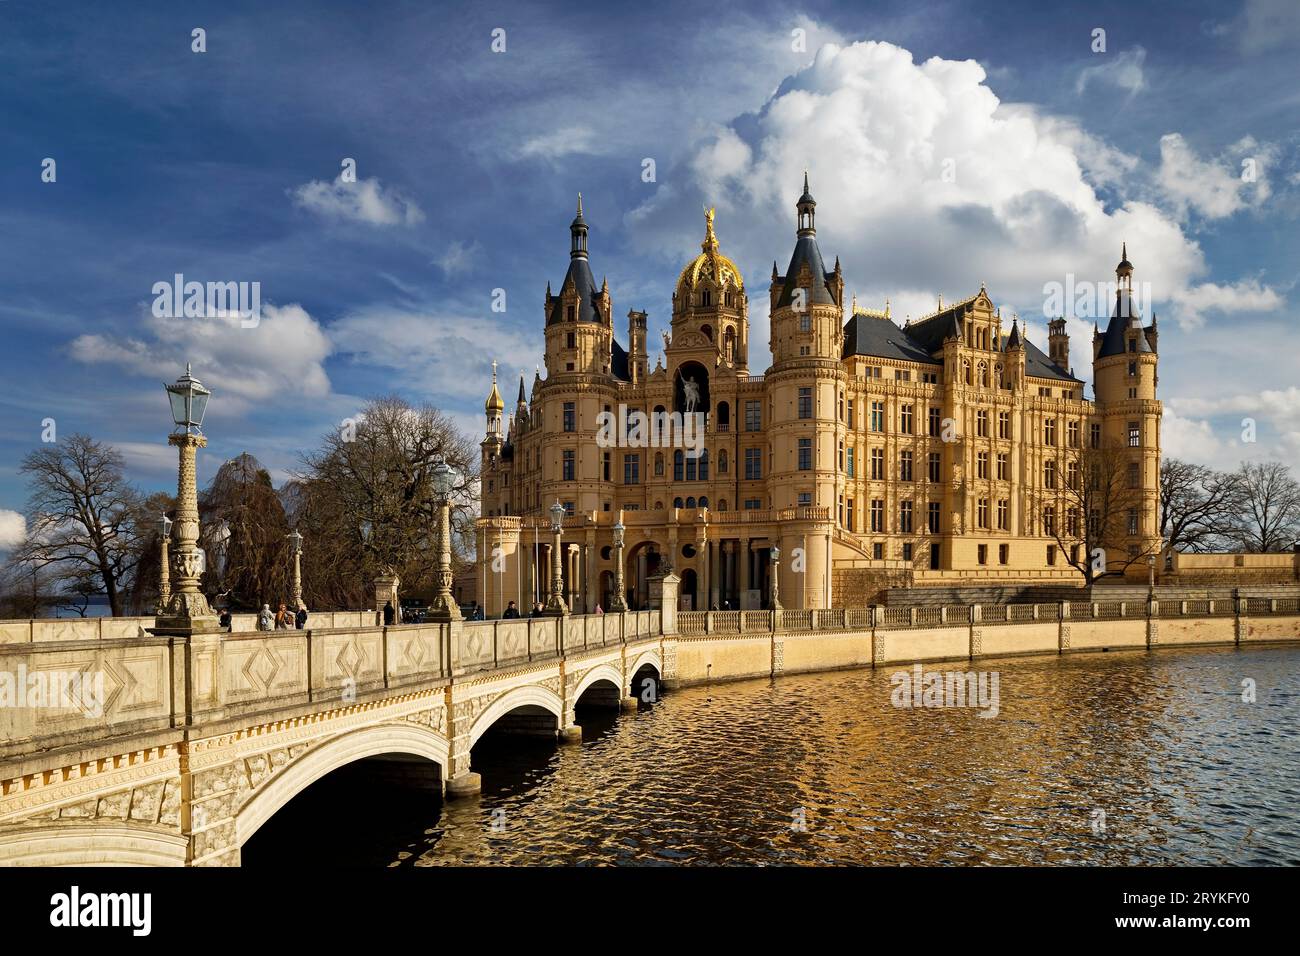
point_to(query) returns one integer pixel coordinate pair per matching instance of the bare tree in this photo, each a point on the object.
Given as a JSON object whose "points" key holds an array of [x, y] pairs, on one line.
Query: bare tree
{"points": [[379, 472], [244, 531], [1198, 505], [83, 519], [1270, 508], [1090, 512]]}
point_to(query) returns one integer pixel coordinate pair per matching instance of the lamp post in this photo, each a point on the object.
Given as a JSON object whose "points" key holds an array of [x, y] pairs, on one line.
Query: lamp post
{"points": [[444, 607], [617, 602], [295, 545], [164, 576], [555, 602], [776, 578], [187, 611], [1151, 571]]}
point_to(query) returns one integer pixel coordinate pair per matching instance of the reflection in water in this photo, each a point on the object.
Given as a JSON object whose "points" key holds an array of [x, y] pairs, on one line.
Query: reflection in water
{"points": [[1184, 771]]}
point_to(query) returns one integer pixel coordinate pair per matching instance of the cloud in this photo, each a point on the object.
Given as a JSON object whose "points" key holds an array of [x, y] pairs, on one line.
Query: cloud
{"points": [[1214, 188], [283, 355], [13, 529], [1123, 71], [928, 184], [362, 201], [437, 351], [458, 257], [1265, 25], [561, 142]]}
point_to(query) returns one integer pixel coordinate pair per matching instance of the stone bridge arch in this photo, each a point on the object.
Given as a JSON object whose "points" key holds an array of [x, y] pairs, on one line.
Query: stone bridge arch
{"points": [[94, 843], [534, 695], [606, 672], [320, 760]]}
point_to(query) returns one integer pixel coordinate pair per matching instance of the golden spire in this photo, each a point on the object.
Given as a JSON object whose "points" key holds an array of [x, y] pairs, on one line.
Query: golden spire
{"points": [[494, 401], [710, 243]]}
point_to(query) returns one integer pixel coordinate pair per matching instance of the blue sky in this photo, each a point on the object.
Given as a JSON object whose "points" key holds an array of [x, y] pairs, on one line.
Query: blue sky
{"points": [[222, 165]]}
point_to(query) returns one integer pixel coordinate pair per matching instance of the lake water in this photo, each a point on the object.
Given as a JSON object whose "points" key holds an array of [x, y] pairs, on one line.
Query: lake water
{"points": [[1119, 758]]}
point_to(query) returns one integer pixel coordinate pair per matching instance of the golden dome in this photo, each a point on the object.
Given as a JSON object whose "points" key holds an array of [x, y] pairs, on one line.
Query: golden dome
{"points": [[494, 402], [710, 264]]}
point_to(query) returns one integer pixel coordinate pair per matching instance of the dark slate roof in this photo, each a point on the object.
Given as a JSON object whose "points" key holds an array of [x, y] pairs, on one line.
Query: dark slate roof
{"points": [[866, 335], [588, 293], [1113, 343], [618, 362], [1038, 365], [806, 251], [522, 400]]}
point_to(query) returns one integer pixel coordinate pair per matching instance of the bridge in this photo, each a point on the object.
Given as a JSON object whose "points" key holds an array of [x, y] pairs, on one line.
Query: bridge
{"points": [[189, 745]]}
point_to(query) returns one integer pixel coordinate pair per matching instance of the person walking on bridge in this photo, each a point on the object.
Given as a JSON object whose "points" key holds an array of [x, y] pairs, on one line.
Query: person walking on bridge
{"points": [[266, 620]]}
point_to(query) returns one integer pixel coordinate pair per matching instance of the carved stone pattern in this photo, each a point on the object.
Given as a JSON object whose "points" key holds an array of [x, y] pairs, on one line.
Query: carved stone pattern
{"points": [[1153, 630], [778, 657], [435, 719], [878, 647], [670, 661], [1065, 636], [976, 641]]}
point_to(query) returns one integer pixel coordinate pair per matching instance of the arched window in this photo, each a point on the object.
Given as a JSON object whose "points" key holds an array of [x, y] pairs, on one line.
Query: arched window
{"points": [[965, 367], [677, 502], [722, 462], [678, 474], [690, 504], [704, 466], [659, 506], [659, 464], [724, 417], [729, 340], [692, 467], [707, 329], [722, 504], [704, 501]]}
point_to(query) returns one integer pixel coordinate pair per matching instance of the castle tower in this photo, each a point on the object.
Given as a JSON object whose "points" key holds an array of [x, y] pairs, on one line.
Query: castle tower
{"points": [[579, 328], [637, 356], [1058, 343], [710, 307], [493, 439], [806, 386], [1125, 379]]}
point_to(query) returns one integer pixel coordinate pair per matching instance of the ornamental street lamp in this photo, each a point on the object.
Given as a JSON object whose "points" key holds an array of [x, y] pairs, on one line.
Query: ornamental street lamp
{"points": [[617, 603], [164, 577], [776, 578], [295, 545], [445, 479], [555, 602], [187, 611]]}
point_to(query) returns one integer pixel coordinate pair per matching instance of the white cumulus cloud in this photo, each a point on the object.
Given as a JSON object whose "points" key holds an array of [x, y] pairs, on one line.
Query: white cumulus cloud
{"points": [[365, 200], [13, 529]]}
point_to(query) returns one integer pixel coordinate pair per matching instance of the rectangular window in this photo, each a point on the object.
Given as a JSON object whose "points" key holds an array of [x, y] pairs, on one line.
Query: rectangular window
{"points": [[935, 467], [1049, 431], [805, 499], [982, 465], [936, 422], [1094, 436], [1132, 521], [632, 469], [982, 554], [877, 416], [1004, 467], [850, 414], [753, 504], [753, 464], [905, 466], [982, 424], [1004, 553], [982, 513], [1004, 424], [907, 551], [932, 511], [849, 516], [1134, 435], [877, 514], [570, 417], [1049, 520], [1049, 474], [1133, 473], [805, 403], [604, 465], [1051, 555], [567, 472], [805, 454], [877, 551], [905, 419], [1002, 514], [905, 517], [753, 416], [805, 322], [848, 462], [1072, 434], [877, 464]]}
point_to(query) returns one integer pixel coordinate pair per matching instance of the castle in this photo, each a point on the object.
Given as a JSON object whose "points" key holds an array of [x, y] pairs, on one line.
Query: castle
{"points": [[870, 454]]}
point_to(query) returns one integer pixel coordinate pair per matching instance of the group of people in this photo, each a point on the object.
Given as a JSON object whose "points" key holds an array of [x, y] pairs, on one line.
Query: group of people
{"points": [[281, 620], [538, 610]]}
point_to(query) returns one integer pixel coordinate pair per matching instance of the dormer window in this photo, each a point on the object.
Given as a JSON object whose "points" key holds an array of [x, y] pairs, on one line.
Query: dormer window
{"points": [[570, 313], [1132, 345], [704, 297]]}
